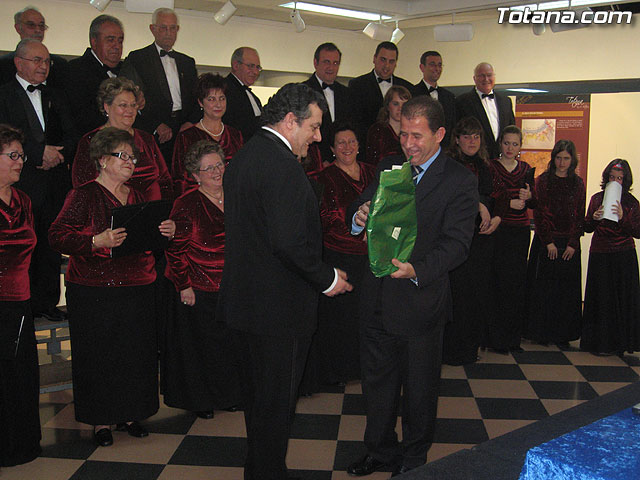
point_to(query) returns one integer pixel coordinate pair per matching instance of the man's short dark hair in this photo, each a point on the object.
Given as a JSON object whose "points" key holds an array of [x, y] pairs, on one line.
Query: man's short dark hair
{"points": [[428, 53], [427, 107], [17, 18], [329, 47], [295, 98], [387, 46], [94, 28]]}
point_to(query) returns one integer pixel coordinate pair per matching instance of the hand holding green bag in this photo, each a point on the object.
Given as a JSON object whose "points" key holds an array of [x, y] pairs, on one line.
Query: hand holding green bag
{"points": [[392, 223]]}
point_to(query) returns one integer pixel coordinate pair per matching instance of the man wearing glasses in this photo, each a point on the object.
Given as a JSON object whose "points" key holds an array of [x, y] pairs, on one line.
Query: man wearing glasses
{"points": [[29, 23], [243, 106], [167, 79]]}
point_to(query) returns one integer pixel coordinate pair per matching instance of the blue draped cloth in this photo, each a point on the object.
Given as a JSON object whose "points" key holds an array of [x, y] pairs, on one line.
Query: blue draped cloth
{"points": [[608, 449]]}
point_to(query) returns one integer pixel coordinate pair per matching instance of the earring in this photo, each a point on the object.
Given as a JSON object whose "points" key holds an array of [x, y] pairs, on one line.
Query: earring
{"points": [[103, 165]]}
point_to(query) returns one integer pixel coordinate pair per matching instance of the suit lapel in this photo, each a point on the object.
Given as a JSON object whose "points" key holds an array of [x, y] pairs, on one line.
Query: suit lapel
{"points": [[431, 178], [156, 66], [281, 145], [181, 68], [482, 114], [32, 116], [375, 89]]}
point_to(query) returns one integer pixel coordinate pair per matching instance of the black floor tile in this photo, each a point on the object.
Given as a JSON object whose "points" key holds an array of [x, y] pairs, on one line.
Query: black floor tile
{"points": [[460, 430], [631, 360], [178, 424], [564, 390], [495, 371], [541, 358], [455, 387], [315, 427], [67, 443], [348, 452], [311, 474], [353, 405], [607, 374], [511, 408], [92, 470], [331, 389], [210, 451]]}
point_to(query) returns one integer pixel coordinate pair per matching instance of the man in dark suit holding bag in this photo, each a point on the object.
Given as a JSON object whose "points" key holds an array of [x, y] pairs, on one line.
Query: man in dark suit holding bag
{"points": [[403, 315]]}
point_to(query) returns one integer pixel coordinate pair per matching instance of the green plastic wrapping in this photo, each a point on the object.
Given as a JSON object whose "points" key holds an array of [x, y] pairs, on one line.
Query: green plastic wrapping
{"points": [[392, 224]]}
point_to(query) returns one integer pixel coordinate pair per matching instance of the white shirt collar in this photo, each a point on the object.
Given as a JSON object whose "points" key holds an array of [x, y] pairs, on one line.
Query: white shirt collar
{"points": [[280, 136], [24, 84]]}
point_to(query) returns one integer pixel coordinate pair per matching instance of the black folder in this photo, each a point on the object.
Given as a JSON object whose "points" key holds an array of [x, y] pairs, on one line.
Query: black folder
{"points": [[141, 222]]}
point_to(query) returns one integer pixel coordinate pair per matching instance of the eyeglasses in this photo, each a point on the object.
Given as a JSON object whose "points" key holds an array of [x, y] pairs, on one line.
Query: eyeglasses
{"points": [[219, 166], [37, 61], [15, 156], [124, 156], [123, 106], [251, 66], [168, 28], [33, 25]]}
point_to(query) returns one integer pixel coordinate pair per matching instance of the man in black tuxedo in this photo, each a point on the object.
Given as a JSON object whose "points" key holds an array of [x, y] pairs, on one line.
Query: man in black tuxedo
{"points": [[367, 91], [326, 61], [493, 110], [273, 271], [403, 315], [431, 68], [40, 111], [243, 106], [29, 23], [85, 74], [167, 79]]}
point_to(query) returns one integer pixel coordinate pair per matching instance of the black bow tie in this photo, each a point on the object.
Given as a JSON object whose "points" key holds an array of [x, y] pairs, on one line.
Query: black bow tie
{"points": [[163, 53], [33, 88], [115, 70], [380, 80], [433, 89], [326, 85], [488, 95], [246, 87]]}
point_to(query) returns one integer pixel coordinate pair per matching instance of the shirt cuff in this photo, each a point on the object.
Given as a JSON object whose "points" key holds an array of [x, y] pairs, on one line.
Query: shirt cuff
{"points": [[355, 229], [333, 284]]}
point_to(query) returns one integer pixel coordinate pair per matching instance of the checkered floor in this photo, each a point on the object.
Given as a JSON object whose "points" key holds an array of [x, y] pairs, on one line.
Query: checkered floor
{"points": [[477, 402]]}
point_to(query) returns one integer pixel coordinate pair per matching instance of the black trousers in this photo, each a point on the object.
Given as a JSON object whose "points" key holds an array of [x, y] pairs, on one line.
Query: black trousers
{"points": [[270, 371], [391, 363]]}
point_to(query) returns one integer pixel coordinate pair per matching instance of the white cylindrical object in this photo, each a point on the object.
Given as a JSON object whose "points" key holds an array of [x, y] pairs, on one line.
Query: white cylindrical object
{"points": [[100, 4], [612, 194], [225, 13]]}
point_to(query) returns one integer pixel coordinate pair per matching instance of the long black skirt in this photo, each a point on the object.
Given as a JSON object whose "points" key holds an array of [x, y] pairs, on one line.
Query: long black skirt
{"points": [[554, 294], [199, 370], [114, 353], [611, 317], [472, 306], [509, 273], [19, 386]]}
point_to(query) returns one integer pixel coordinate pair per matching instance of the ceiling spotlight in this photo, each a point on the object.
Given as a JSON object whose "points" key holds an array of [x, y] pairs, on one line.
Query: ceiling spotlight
{"points": [[100, 4], [378, 30], [297, 20], [225, 13], [397, 35]]}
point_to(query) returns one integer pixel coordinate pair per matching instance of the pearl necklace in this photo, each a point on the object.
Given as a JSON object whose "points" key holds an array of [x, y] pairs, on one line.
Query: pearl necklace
{"points": [[219, 200], [211, 133]]}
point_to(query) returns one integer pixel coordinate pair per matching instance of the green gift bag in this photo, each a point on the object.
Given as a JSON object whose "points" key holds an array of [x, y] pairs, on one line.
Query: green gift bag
{"points": [[392, 224]]}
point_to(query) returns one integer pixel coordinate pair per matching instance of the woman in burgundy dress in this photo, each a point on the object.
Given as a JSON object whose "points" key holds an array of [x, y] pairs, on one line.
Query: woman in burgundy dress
{"points": [[19, 381], [211, 97], [513, 182], [113, 330], [117, 100], [382, 137], [554, 289], [611, 317], [197, 369]]}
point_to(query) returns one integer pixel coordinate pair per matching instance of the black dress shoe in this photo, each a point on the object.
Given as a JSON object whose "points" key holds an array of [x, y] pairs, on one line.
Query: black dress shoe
{"points": [[206, 414], [53, 315], [400, 470], [517, 349], [501, 351], [103, 437], [365, 466], [232, 408], [134, 429]]}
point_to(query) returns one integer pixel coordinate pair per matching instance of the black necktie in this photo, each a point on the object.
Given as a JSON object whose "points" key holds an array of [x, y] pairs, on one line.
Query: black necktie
{"points": [[488, 95], [380, 80], [326, 85], [33, 88], [417, 170], [432, 89], [163, 53]]}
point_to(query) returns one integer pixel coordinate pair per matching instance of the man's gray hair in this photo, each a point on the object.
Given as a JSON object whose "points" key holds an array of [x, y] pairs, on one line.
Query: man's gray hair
{"points": [[238, 54], [96, 24], [23, 44], [163, 11], [18, 15]]}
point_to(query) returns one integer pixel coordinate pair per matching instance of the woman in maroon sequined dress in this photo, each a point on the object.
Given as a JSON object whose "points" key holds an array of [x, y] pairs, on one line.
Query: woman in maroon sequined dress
{"points": [[382, 137], [611, 317]]}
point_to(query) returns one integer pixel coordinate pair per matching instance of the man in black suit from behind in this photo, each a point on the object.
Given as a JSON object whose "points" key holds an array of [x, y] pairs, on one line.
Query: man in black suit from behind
{"points": [[273, 271], [29, 23], [167, 79], [326, 61], [243, 106], [402, 316], [367, 91], [431, 68], [40, 111], [102, 60], [493, 110]]}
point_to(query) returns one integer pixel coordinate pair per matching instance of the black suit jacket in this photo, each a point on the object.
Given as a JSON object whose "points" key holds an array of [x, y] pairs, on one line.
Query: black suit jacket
{"points": [[239, 110], [469, 105], [145, 69], [367, 101], [17, 110], [448, 102], [85, 74], [273, 249], [57, 73], [343, 111], [446, 208]]}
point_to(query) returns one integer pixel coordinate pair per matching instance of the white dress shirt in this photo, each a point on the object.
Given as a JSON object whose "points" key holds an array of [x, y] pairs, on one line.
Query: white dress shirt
{"points": [[330, 97], [173, 79], [254, 104], [491, 109]]}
